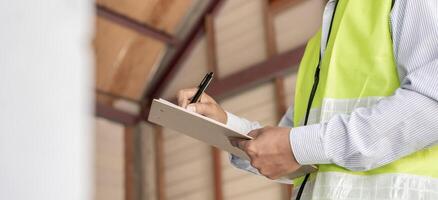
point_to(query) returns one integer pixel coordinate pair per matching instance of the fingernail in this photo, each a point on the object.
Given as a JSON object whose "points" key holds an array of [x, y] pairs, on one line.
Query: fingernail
{"points": [[191, 108]]}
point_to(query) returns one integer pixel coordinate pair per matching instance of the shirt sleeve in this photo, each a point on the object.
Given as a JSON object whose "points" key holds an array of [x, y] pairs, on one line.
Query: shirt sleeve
{"points": [[396, 126], [245, 126]]}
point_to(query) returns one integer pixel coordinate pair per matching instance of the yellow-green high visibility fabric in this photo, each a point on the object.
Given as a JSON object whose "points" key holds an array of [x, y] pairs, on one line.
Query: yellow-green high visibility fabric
{"points": [[358, 63]]}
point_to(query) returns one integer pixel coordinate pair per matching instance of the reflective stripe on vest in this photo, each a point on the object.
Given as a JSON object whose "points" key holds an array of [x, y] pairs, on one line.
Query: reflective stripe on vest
{"points": [[357, 70]]}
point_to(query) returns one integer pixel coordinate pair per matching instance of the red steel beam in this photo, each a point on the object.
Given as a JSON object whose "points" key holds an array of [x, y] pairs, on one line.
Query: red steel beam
{"points": [[271, 50], [253, 75], [217, 173], [129, 167], [258, 73], [139, 27], [211, 45], [160, 179], [115, 96], [212, 66], [182, 51], [115, 115], [279, 6]]}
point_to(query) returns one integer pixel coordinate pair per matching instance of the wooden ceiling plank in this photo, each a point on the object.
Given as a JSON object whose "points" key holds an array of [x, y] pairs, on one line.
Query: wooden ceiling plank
{"points": [[134, 70], [139, 27], [162, 15], [111, 44]]}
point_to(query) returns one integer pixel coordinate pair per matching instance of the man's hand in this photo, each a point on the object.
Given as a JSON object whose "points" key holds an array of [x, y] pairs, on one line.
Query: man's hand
{"points": [[207, 106], [270, 151]]}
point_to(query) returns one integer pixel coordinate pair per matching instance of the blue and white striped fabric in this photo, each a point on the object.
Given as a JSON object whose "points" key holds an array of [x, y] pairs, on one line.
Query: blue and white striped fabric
{"points": [[394, 127]]}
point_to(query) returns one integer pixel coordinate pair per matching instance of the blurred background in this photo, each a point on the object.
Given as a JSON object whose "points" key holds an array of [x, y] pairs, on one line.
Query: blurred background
{"points": [[151, 49], [74, 114]]}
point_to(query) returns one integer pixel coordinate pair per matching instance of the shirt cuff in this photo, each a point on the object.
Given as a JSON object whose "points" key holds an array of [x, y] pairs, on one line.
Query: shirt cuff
{"points": [[234, 122], [307, 146]]}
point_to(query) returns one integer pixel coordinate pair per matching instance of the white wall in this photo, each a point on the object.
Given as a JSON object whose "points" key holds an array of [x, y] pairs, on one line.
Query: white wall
{"points": [[45, 97]]}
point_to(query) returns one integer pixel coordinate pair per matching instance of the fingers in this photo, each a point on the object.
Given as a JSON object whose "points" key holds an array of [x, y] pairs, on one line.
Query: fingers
{"points": [[206, 109], [254, 133], [241, 144], [184, 97], [234, 141]]}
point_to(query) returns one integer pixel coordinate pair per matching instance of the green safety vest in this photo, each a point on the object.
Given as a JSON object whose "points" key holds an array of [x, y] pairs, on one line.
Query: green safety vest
{"points": [[357, 70]]}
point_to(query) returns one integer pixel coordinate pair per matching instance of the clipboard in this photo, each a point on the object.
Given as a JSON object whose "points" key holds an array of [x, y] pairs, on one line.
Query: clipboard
{"points": [[194, 125], [206, 130]]}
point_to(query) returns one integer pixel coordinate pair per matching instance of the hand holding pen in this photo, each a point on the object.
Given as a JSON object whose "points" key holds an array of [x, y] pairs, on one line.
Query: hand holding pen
{"points": [[196, 100]]}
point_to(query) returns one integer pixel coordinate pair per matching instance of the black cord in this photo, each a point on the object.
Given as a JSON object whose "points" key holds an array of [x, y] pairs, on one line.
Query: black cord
{"points": [[309, 105], [300, 191], [312, 95]]}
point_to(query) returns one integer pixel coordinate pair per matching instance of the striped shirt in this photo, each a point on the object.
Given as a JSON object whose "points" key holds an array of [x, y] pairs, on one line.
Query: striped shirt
{"points": [[397, 125]]}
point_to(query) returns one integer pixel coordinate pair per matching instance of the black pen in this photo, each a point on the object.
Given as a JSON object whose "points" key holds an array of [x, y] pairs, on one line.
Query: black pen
{"points": [[202, 87]]}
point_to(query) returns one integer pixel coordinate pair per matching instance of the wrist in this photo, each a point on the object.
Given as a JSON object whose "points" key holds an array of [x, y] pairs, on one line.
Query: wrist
{"points": [[290, 151]]}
